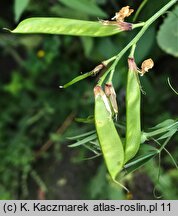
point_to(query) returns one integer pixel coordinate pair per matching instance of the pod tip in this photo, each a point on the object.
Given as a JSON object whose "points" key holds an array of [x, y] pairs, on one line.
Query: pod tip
{"points": [[61, 87], [97, 90], [132, 64], [6, 29]]}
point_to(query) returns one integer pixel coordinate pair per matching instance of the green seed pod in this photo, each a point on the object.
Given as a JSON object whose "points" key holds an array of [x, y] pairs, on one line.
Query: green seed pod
{"points": [[109, 139], [111, 94], [133, 128]]}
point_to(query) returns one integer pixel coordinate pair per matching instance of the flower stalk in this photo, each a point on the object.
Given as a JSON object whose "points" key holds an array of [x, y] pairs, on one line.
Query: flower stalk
{"points": [[134, 41]]}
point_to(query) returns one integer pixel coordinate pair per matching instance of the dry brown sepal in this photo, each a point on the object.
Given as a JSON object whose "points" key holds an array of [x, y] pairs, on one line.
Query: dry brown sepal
{"points": [[111, 95], [146, 66], [123, 13], [98, 68], [119, 19]]}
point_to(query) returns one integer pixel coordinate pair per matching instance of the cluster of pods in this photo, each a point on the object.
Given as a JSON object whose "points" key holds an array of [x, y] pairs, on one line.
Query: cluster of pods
{"points": [[116, 153]]}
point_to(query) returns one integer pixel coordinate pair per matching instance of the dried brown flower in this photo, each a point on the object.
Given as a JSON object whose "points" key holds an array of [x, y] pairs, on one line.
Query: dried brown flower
{"points": [[146, 65], [98, 68], [111, 94], [122, 14]]}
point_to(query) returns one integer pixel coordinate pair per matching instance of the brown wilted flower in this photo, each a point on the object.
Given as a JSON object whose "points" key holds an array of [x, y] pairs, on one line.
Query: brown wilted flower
{"points": [[122, 14], [132, 64], [98, 92], [119, 19], [133, 68], [123, 26], [146, 65], [111, 95], [98, 68]]}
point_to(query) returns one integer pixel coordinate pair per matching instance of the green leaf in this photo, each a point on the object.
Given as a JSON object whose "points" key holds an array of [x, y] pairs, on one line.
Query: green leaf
{"points": [[88, 120], [95, 143], [84, 141], [168, 134], [163, 124], [65, 27], [165, 127], [19, 7], [145, 154], [94, 150], [138, 162], [82, 135], [86, 6], [168, 34]]}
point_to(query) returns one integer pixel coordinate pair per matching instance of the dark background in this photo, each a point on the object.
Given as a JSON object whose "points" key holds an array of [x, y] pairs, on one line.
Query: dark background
{"points": [[36, 116]]}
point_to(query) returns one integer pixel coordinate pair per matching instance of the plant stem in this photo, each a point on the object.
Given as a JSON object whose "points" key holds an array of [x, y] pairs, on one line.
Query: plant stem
{"points": [[139, 9], [101, 80], [136, 38], [138, 25], [171, 86], [132, 51], [111, 76], [165, 143], [106, 62], [173, 160]]}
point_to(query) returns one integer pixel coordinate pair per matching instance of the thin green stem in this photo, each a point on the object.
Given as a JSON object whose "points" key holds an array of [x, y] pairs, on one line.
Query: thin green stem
{"points": [[121, 185], [165, 143], [171, 86], [101, 80], [106, 62], [158, 178], [173, 160], [145, 27], [137, 37], [139, 9], [132, 51], [111, 76], [138, 25]]}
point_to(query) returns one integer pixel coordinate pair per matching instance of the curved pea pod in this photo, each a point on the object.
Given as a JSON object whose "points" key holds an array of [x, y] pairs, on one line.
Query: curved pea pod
{"points": [[109, 139], [64, 26], [133, 125]]}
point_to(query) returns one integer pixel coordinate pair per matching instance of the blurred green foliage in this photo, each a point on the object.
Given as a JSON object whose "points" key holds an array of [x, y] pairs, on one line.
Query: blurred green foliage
{"points": [[33, 110], [166, 32]]}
